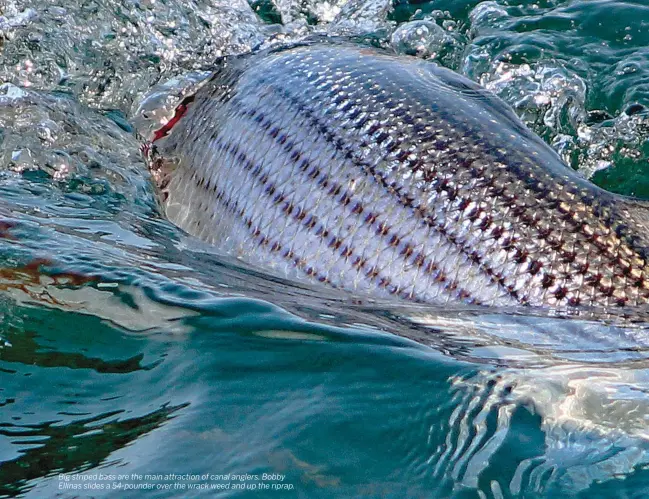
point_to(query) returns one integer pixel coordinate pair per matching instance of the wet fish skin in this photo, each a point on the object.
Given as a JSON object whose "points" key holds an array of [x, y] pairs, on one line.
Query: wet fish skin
{"points": [[392, 176]]}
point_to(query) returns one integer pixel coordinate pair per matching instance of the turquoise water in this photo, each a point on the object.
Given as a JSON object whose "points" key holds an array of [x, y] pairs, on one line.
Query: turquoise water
{"points": [[130, 352]]}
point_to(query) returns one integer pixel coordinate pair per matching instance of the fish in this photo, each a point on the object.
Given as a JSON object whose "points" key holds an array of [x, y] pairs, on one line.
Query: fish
{"points": [[390, 176]]}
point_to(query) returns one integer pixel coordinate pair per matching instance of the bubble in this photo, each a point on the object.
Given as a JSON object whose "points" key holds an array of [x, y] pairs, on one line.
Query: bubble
{"points": [[363, 18], [421, 38], [107, 54], [10, 93], [544, 93], [486, 16], [15, 18]]}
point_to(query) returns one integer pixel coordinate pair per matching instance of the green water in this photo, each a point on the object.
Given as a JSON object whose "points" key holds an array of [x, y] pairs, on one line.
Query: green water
{"points": [[130, 352]]}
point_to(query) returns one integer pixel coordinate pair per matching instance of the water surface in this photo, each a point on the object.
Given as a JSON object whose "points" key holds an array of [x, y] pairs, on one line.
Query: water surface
{"points": [[128, 348]]}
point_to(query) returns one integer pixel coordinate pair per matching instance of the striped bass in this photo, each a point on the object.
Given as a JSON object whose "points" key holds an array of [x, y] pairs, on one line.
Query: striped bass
{"points": [[392, 176]]}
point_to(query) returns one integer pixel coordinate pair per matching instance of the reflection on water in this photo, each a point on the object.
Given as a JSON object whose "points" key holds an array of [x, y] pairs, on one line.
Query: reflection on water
{"points": [[127, 347]]}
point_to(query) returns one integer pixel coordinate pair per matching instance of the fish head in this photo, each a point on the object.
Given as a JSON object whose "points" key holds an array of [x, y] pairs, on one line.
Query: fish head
{"points": [[160, 104], [154, 117]]}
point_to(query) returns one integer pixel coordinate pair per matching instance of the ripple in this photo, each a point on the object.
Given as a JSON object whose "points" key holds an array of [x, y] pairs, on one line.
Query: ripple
{"points": [[561, 64], [126, 344]]}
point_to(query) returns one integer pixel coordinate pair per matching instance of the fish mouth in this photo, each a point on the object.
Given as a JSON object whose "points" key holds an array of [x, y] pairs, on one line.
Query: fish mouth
{"points": [[180, 111], [147, 146], [161, 168]]}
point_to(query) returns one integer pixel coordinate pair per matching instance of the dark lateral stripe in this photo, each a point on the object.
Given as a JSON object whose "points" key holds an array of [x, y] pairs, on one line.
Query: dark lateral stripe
{"points": [[601, 209], [263, 240], [451, 153], [344, 197], [404, 200], [599, 247], [308, 221], [524, 218]]}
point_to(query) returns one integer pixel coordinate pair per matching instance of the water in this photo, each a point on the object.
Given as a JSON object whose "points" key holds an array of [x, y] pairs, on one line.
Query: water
{"points": [[128, 348]]}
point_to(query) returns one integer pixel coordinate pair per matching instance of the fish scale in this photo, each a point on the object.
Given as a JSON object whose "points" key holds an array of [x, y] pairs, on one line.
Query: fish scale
{"points": [[332, 218], [391, 176]]}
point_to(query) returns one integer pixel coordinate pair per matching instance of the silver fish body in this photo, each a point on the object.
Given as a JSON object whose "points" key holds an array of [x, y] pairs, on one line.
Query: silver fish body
{"points": [[391, 176]]}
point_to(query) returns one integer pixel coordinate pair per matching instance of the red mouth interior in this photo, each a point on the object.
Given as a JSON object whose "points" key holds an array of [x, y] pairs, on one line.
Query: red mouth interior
{"points": [[180, 111]]}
